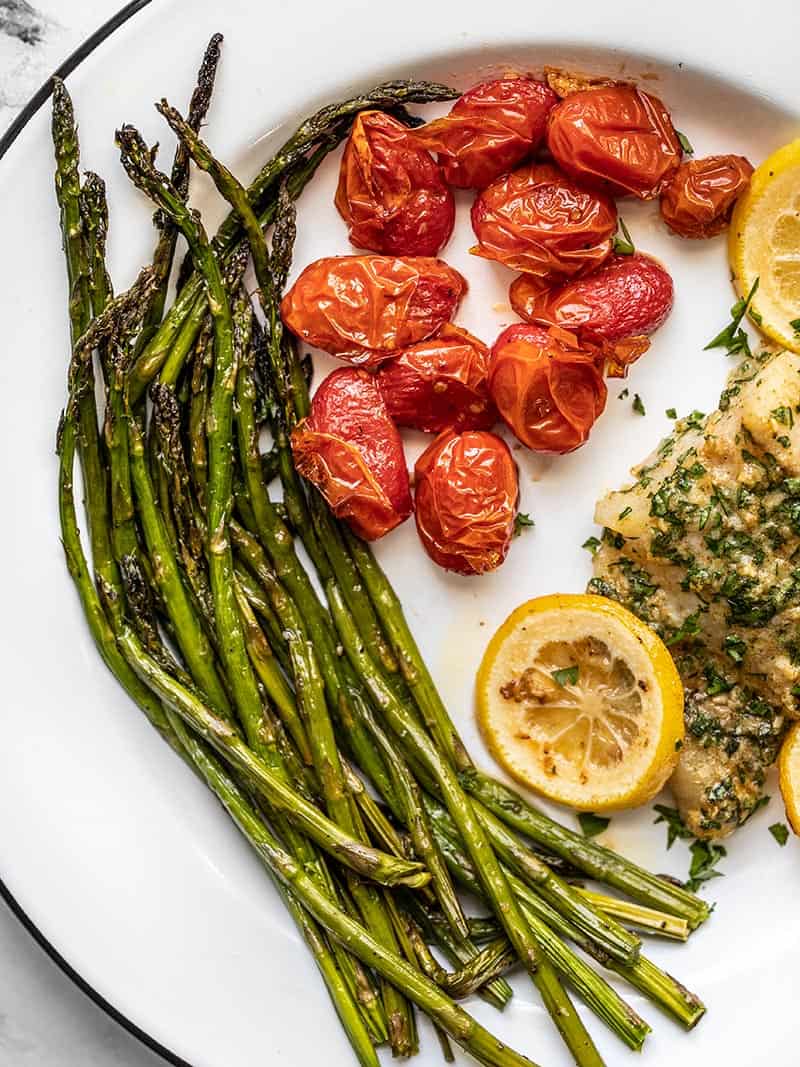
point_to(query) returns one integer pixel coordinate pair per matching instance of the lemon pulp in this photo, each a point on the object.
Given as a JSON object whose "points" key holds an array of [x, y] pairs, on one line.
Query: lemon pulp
{"points": [[578, 699]]}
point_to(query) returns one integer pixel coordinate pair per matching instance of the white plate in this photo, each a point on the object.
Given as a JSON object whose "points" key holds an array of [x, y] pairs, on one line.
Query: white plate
{"points": [[119, 857]]}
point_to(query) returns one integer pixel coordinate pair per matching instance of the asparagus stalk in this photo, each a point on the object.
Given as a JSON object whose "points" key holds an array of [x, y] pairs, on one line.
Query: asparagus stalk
{"points": [[194, 645], [93, 208], [164, 253], [651, 921], [460, 953], [65, 140]]}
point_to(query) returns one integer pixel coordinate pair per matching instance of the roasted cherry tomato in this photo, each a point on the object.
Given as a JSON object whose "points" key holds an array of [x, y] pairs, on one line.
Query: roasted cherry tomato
{"points": [[391, 193], [699, 198], [440, 384], [466, 499], [489, 130], [623, 301], [364, 308], [548, 392], [350, 449], [537, 220], [615, 137]]}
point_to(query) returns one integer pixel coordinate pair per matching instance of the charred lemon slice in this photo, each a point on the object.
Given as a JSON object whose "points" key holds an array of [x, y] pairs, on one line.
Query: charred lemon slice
{"points": [[581, 701], [789, 772], [764, 244]]}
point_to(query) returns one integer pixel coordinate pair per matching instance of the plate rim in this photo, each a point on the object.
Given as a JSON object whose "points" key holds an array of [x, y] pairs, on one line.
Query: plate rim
{"points": [[15, 129]]}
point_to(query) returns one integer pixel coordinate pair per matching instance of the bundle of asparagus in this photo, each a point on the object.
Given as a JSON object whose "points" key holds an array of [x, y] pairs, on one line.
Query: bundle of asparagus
{"points": [[316, 724]]}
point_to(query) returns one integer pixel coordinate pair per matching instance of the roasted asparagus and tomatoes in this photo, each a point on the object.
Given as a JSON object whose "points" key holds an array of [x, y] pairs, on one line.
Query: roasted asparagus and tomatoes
{"points": [[228, 578]]}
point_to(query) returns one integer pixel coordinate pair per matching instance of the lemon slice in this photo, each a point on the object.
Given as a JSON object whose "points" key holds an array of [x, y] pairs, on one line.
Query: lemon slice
{"points": [[789, 773], [581, 701], [764, 243]]}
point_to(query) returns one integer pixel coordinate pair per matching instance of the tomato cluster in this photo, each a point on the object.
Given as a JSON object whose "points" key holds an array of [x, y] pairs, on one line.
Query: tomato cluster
{"points": [[548, 160]]}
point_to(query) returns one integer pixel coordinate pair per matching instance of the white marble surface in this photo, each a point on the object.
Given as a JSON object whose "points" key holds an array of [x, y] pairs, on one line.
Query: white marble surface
{"points": [[45, 1020]]}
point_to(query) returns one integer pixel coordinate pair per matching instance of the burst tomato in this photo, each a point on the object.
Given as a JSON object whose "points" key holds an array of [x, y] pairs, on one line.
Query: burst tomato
{"points": [[350, 449], [616, 137], [466, 499], [489, 130], [537, 220], [548, 392], [616, 306], [700, 196], [364, 308], [440, 384], [391, 193]]}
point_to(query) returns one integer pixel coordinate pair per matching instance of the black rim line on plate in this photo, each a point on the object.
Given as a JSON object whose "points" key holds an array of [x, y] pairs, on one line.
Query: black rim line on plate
{"points": [[9, 137], [43, 94]]}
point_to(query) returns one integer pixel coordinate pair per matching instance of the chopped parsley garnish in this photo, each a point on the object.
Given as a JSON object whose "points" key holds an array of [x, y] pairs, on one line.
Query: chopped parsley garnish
{"points": [[783, 415], [732, 337], [521, 521], [795, 324], [592, 825], [624, 245], [671, 413], [566, 676], [716, 683], [625, 513], [616, 540], [591, 544], [685, 143], [624, 394], [735, 647], [694, 421], [705, 857], [675, 825], [688, 628], [637, 405], [780, 832]]}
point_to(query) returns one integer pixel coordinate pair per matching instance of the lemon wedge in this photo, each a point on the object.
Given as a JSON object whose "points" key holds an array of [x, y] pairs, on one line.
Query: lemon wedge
{"points": [[581, 701], [764, 243], [789, 776]]}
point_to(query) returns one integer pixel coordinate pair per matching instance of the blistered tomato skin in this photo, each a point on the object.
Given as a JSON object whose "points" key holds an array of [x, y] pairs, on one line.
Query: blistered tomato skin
{"points": [[628, 296], [440, 384], [699, 199], [490, 130], [466, 496], [539, 221], [549, 393], [363, 309], [617, 138], [391, 192], [350, 449]]}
